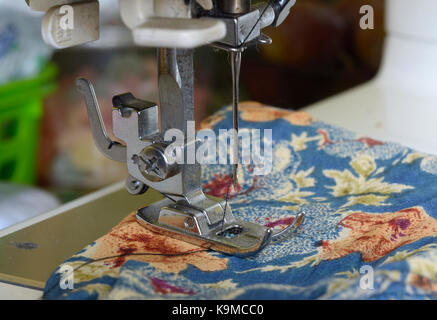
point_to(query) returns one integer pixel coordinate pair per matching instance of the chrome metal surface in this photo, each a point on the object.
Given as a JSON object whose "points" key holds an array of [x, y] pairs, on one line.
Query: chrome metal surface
{"points": [[268, 17], [154, 165], [233, 6], [135, 187], [234, 237], [264, 39], [111, 149], [282, 10], [176, 94], [148, 125], [242, 28], [225, 47], [289, 231]]}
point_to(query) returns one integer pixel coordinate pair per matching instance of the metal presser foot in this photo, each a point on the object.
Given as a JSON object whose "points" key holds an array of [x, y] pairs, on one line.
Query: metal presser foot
{"points": [[205, 229], [194, 225]]}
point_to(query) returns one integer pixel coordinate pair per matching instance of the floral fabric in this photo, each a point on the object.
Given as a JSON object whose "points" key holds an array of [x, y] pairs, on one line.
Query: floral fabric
{"points": [[370, 229]]}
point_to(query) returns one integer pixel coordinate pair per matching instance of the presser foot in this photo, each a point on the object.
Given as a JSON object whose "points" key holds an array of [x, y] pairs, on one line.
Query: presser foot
{"points": [[191, 224]]}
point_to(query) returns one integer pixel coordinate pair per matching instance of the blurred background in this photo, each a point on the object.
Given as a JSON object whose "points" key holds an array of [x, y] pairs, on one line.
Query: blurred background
{"points": [[46, 148]]}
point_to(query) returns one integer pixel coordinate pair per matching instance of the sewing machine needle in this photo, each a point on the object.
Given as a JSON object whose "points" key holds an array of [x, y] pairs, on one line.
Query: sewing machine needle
{"points": [[235, 65]]}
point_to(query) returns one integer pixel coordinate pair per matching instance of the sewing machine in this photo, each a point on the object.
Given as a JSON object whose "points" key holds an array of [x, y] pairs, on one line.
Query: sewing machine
{"points": [[402, 88], [175, 27]]}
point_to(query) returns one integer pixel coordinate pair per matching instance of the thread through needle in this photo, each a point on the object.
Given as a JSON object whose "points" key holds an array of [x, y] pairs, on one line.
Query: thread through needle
{"points": [[235, 65], [227, 200]]}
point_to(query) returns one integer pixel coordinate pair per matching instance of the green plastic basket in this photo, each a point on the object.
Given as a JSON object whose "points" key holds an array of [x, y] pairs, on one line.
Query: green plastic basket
{"points": [[21, 107]]}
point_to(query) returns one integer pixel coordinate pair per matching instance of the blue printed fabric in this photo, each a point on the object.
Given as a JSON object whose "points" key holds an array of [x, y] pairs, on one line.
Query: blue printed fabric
{"points": [[369, 233]]}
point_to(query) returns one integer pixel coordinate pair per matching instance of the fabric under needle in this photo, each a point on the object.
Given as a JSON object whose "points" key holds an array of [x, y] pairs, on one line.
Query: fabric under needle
{"points": [[235, 65]]}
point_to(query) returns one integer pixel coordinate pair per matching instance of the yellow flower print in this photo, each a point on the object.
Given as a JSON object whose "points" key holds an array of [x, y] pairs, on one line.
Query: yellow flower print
{"points": [[372, 191], [364, 165], [299, 143], [302, 180]]}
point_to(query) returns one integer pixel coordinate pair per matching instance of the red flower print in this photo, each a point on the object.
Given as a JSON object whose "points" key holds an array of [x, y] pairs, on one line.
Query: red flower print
{"points": [[375, 235]]}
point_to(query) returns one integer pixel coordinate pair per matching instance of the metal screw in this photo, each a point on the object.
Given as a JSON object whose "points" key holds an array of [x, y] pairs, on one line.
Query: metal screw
{"points": [[134, 186]]}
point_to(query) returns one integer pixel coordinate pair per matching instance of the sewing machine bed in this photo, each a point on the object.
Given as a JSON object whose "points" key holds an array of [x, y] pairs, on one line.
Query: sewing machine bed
{"points": [[30, 254], [370, 230]]}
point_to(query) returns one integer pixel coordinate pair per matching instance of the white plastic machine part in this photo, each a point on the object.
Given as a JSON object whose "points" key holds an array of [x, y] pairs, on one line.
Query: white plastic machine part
{"points": [[178, 32], [167, 24], [45, 5], [154, 23], [400, 104], [82, 26]]}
